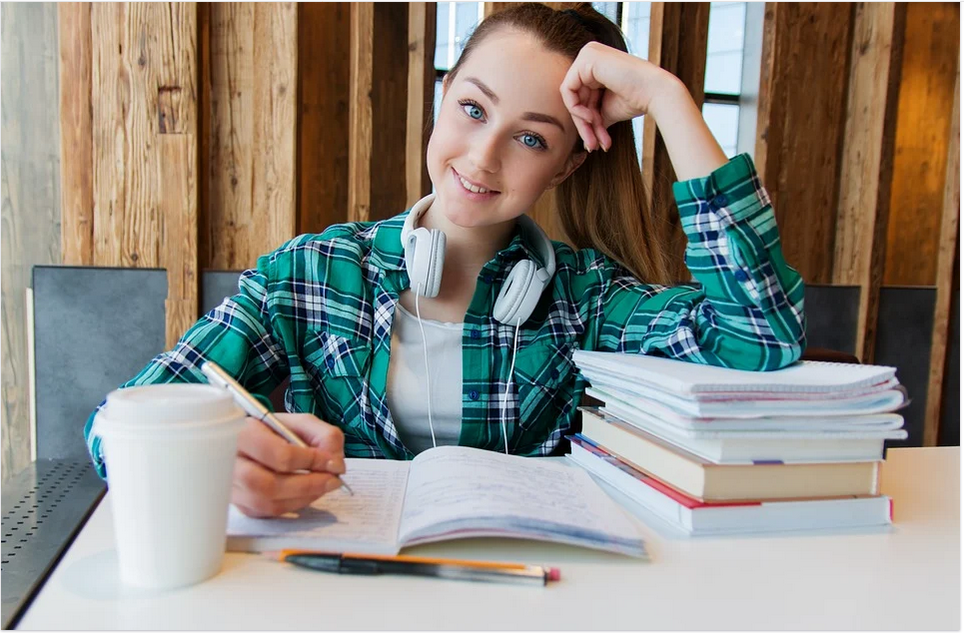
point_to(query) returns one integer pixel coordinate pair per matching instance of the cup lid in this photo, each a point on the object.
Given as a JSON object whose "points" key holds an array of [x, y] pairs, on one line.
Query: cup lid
{"points": [[169, 405]]}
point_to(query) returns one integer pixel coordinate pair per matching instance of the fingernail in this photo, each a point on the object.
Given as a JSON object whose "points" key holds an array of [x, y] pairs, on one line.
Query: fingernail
{"points": [[336, 466], [332, 485]]}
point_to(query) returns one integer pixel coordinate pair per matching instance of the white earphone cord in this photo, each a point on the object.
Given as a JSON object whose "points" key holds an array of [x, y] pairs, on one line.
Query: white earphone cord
{"points": [[428, 377], [508, 385]]}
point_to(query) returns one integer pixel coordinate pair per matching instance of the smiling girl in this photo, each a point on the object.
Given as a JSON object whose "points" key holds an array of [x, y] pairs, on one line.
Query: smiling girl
{"points": [[455, 321]]}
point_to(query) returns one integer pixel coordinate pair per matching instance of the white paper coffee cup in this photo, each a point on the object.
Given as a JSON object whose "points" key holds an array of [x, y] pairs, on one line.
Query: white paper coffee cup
{"points": [[170, 452]]}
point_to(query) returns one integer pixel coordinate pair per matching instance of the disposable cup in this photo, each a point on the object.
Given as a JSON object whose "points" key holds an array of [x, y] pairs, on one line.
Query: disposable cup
{"points": [[170, 452]]}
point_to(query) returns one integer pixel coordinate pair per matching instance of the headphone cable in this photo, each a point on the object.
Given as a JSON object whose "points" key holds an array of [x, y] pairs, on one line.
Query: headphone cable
{"points": [[428, 378]]}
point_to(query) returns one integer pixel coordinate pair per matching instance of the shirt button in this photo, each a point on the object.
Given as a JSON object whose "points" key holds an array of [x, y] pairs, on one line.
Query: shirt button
{"points": [[720, 201], [554, 373], [740, 275], [473, 395], [475, 334], [487, 278], [330, 361]]}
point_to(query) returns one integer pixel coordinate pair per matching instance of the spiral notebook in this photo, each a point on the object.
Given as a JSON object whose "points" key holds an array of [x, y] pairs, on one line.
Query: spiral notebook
{"points": [[699, 382]]}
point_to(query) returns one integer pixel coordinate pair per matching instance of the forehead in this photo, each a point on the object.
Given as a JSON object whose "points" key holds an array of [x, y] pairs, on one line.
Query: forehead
{"points": [[519, 70]]}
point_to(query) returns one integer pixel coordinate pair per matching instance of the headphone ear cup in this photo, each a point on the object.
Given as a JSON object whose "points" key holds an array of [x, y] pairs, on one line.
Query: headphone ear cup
{"points": [[424, 258], [516, 299]]}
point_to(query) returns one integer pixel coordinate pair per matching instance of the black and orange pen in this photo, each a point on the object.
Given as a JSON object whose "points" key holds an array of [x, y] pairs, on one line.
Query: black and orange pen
{"points": [[452, 569]]}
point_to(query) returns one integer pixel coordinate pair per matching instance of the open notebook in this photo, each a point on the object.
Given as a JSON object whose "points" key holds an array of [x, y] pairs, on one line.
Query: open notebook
{"points": [[445, 493]]}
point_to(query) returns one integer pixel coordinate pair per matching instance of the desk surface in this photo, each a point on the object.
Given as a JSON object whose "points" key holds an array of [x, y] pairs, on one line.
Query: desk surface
{"points": [[908, 578]]}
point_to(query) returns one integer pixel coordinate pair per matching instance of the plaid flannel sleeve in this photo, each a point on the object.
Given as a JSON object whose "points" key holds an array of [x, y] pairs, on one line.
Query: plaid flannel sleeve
{"points": [[235, 335], [746, 309]]}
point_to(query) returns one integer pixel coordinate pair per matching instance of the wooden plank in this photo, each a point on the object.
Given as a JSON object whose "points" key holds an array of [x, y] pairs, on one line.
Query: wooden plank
{"points": [[946, 264], [360, 111], [867, 159], [177, 167], [251, 165], [76, 186], [275, 101], [31, 201], [421, 94], [685, 57], [324, 39], [389, 99], [800, 124], [229, 157], [125, 76], [931, 51], [204, 111], [144, 111], [177, 176]]}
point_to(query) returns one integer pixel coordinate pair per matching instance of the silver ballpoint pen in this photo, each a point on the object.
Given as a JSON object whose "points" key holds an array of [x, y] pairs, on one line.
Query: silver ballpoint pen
{"points": [[220, 378]]}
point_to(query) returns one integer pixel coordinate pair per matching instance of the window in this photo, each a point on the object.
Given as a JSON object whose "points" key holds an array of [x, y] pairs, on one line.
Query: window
{"points": [[724, 62], [453, 25]]}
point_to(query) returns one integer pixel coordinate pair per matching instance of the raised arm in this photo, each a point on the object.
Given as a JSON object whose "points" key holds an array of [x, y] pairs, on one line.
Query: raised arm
{"points": [[747, 309]]}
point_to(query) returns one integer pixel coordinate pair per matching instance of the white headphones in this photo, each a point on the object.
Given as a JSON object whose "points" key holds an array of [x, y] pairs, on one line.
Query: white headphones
{"points": [[425, 254]]}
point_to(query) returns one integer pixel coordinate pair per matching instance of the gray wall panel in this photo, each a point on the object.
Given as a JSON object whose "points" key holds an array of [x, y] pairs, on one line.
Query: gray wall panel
{"points": [[904, 323], [949, 433], [832, 316], [94, 329], [215, 286]]}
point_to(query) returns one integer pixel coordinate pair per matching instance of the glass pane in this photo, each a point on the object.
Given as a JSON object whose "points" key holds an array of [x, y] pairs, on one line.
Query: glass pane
{"points": [[723, 121], [466, 19], [608, 9], [636, 17], [437, 103], [726, 27], [724, 72], [638, 135], [442, 35]]}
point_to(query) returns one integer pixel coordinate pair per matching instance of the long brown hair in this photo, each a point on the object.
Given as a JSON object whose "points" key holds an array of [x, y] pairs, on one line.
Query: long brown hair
{"points": [[603, 204]]}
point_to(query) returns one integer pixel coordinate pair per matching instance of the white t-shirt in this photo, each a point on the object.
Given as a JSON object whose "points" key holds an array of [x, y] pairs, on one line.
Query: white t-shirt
{"points": [[407, 396]]}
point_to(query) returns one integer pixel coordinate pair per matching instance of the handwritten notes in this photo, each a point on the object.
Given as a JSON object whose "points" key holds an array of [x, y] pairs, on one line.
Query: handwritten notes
{"points": [[447, 492], [365, 522], [453, 489]]}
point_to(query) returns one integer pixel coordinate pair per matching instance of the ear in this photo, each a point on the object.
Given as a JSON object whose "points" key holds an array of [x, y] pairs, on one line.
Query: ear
{"points": [[572, 164]]}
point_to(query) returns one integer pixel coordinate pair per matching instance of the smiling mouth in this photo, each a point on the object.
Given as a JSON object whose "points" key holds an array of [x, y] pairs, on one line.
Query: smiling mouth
{"points": [[468, 186]]}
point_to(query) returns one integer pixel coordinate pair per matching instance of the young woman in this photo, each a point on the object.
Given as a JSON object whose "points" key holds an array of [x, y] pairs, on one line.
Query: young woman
{"points": [[456, 322]]}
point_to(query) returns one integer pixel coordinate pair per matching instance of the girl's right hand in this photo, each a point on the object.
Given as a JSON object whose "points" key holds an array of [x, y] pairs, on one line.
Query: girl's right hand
{"points": [[267, 481]]}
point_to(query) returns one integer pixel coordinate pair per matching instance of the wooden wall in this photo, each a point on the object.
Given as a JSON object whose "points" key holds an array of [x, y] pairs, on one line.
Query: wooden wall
{"points": [[199, 136], [31, 198]]}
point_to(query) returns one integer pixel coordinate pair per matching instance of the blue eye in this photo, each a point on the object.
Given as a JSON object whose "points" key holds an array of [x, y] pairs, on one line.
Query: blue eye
{"points": [[533, 141], [472, 109]]}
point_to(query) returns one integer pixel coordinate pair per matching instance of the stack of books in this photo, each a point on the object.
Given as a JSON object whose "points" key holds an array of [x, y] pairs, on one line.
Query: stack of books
{"points": [[717, 451]]}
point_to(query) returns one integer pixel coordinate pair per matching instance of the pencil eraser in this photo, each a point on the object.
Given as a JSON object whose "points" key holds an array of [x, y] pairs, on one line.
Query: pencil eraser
{"points": [[554, 573]]}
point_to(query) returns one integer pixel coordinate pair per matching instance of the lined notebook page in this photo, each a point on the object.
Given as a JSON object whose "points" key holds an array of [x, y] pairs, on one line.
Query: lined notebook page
{"points": [[687, 379], [460, 490], [366, 522]]}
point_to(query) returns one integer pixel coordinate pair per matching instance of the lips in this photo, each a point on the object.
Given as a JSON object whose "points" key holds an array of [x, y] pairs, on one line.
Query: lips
{"points": [[471, 186]]}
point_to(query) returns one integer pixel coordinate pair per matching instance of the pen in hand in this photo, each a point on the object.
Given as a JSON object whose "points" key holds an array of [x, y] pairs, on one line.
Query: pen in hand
{"points": [[220, 378]]}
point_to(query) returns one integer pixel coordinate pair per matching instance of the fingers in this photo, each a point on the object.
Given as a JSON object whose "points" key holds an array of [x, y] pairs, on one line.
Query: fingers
{"points": [[258, 491], [315, 432], [260, 444]]}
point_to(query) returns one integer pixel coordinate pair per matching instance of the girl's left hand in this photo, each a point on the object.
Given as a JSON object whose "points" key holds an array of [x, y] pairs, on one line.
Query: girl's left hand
{"points": [[605, 85]]}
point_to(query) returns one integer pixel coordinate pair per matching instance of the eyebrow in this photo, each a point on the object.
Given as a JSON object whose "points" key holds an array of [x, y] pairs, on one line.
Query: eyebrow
{"points": [[527, 116]]}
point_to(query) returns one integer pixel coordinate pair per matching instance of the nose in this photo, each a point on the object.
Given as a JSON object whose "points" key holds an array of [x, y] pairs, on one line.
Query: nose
{"points": [[484, 152]]}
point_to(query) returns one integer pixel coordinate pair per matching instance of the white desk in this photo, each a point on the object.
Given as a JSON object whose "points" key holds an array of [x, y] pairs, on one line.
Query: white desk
{"points": [[905, 579]]}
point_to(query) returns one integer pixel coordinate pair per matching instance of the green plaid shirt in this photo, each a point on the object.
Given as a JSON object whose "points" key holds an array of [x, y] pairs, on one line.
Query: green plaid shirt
{"points": [[319, 310]]}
